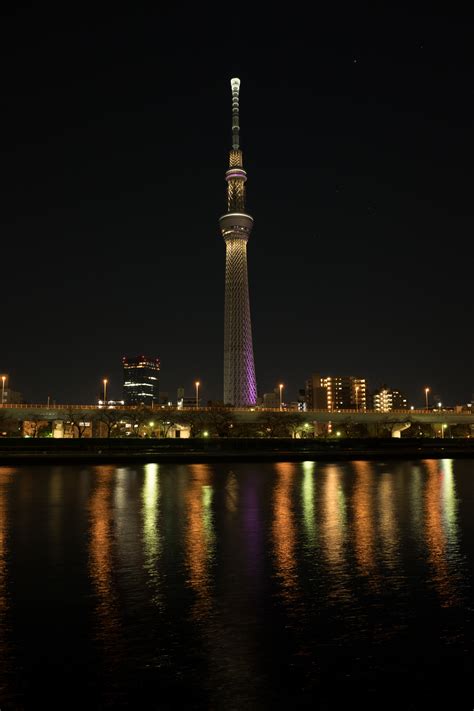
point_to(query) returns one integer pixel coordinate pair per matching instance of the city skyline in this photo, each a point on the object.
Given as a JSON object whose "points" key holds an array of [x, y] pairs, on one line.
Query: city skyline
{"points": [[360, 186]]}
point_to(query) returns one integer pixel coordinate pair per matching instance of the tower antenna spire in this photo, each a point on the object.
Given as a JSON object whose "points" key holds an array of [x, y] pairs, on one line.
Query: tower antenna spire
{"points": [[235, 84]]}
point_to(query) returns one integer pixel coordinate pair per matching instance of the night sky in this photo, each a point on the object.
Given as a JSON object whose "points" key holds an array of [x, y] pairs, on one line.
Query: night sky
{"points": [[357, 132]]}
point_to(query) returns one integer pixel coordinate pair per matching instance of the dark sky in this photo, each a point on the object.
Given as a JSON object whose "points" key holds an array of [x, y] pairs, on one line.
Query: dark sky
{"points": [[357, 130]]}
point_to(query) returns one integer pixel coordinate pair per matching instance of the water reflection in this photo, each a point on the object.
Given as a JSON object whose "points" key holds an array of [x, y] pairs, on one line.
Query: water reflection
{"points": [[200, 535], [307, 495], [6, 474], [284, 532], [151, 532], [441, 529], [101, 565], [281, 583], [56, 494], [416, 521], [232, 493], [253, 529], [334, 520], [449, 504], [364, 529], [389, 533]]}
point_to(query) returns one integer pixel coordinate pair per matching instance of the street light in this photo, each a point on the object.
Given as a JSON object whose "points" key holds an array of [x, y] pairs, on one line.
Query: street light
{"points": [[281, 389], [357, 396], [443, 427], [197, 393], [4, 377], [105, 381], [426, 397]]}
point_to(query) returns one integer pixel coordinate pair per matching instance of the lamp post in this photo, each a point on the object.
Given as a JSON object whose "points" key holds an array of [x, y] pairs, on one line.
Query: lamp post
{"points": [[4, 377], [357, 396], [426, 397], [281, 390], [197, 393], [105, 381]]}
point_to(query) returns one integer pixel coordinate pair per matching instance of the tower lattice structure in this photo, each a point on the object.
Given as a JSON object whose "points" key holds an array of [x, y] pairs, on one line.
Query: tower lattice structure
{"points": [[240, 387]]}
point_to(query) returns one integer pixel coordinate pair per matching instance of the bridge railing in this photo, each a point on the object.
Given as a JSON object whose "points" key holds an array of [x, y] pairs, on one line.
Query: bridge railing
{"points": [[405, 413]]}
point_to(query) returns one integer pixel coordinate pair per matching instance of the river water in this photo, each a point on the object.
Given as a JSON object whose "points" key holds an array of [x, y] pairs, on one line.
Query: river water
{"points": [[237, 586]]}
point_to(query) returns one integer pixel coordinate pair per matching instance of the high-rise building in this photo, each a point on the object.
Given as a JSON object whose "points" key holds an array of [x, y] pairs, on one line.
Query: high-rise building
{"points": [[141, 385], [240, 387], [385, 400], [338, 392]]}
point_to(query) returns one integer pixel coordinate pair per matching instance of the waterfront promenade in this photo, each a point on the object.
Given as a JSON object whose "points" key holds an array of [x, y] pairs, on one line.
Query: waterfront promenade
{"points": [[229, 449]]}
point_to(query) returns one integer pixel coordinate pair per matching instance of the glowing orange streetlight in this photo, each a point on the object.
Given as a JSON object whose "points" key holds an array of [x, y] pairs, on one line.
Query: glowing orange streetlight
{"points": [[105, 381], [357, 396], [4, 377], [281, 390], [197, 383]]}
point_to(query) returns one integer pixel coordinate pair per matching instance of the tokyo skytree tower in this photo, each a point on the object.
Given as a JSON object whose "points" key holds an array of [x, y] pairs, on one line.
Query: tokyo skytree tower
{"points": [[240, 387]]}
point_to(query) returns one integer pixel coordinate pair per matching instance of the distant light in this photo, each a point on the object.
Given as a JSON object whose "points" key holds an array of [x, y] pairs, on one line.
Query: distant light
{"points": [[206, 434], [151, 424], [439, 404], [412, 407], [338, 434]]}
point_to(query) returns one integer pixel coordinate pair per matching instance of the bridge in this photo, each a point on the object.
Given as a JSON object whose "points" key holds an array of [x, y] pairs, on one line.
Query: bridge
{"points": [[404, 418]]}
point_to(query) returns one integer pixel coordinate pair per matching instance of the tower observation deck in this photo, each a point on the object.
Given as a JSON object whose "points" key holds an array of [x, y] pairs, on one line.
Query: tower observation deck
{"points": [[240, 387]]}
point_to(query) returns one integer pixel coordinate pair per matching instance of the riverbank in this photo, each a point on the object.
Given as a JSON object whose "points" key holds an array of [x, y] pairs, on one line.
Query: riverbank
{"points": [[205, 450]]}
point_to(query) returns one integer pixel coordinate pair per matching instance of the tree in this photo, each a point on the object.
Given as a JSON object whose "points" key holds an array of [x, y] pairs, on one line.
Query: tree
{"points": [[294, 423], [272, 424], [166, 419], [37, 424], [3, 424], [460, 430], [244, 429], [138, 417], [111, 420], [197, 421], [220, 422], [78, 421], [9, 427]]}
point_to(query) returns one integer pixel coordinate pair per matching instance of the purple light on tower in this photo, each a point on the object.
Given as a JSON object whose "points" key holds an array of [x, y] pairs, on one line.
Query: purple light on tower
{"points": [[240, 387]]}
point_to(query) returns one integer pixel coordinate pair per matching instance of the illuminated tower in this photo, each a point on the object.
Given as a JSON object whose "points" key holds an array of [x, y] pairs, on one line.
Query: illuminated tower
{"points": [[240, 387]]}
